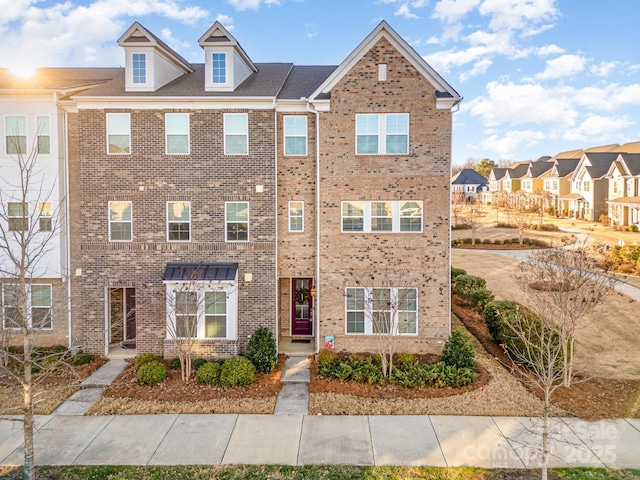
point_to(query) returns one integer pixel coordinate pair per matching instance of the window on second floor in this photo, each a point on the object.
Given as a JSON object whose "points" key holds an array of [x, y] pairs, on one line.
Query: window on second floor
{"points": [[120, 222], [118, 133], [178, 221], [44, 135], [236, 134], [15, 129], [177, 133], [139, 63], [382, 134], [237, 221], [615, 186], [44, 220], [295, 135], [586, 186], [382, 216], [296, 216], [18, 216]]}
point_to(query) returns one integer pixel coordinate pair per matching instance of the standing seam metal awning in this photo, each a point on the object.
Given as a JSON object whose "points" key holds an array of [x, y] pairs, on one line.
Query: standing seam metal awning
{"points": [[200, 272]]}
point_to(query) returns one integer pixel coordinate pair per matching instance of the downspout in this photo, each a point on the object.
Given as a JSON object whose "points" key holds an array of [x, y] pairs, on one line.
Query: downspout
{"points": [[68, 222], [277, 281], [317, 282]]}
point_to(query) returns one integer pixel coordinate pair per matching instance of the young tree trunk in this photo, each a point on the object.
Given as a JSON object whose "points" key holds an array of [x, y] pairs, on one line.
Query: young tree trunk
{"points": [[545, 435], [29, 457]]}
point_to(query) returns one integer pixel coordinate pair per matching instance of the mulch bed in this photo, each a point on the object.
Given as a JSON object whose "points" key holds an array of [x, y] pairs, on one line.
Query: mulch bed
{"points": [[588, 397], [173, 389]]}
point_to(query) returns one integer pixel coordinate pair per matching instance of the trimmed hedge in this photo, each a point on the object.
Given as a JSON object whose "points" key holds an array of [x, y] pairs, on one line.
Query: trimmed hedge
{"points": [[457, 271], [151, 373], [237, 371], [458, 351], [209, 373], [465, 284], [261, 350]]}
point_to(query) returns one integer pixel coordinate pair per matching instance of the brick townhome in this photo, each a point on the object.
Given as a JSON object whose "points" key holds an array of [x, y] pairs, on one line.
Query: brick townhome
{"points": [[279, 195]]}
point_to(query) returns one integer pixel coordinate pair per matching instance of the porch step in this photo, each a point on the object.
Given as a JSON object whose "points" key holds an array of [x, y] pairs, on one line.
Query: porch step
{"points": [[294, 394]]}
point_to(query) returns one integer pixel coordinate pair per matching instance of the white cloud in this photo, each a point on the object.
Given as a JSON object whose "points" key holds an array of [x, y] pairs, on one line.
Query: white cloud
{"points": [[69, 28], [563, 66], [403, 11], [226, 21], [510, 141], [451, 11], [603, 69], [312, 31], [597, 128], [251, 4], [517, 14], [173, 42], [479, 68], [549, 50]]}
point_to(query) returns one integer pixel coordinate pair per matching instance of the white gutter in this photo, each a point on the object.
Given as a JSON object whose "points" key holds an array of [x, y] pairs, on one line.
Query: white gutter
{"points": [[275, 154], [67, 202], [317, 283]]}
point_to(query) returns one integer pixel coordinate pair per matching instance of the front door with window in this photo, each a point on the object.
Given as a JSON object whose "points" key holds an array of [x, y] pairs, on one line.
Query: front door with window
{"points": [[301, 307]]}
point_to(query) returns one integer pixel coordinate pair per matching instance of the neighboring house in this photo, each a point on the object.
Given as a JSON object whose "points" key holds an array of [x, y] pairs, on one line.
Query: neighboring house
{"points": [[469, 184], [256, 194], [496, 178], [590, 186], [32, 126], [557, 181], [624, 190], [512, 180], [531, 182]]}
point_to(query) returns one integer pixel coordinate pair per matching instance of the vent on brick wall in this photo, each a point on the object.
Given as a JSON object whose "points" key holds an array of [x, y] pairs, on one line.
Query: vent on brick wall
{"points": [[382, 72]]}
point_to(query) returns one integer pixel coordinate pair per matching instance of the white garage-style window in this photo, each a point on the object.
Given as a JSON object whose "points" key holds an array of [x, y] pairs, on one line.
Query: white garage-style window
{"points": [[372, 311], [202, 301]]}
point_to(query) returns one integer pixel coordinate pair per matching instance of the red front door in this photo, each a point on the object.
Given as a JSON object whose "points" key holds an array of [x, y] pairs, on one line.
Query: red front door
{"points": [[301, 307]]}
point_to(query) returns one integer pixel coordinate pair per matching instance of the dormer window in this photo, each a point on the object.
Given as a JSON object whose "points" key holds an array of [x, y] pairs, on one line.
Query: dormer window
{"points": [[219, 62], [139, 63]]}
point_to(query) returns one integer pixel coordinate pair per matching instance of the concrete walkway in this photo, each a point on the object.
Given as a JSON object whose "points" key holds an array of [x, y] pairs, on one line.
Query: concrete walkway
{"points": [[294, 394], [490, 442]]}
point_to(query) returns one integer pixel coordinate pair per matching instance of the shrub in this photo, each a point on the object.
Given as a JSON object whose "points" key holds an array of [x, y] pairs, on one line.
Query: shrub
{"points": [[261, 350], [465, 284], [151, 372], [457, 271], [604, 220], [633, 228], [237, 371], [458, 351], [144, 358], [59, 349], [479, 298], [198, 362], [174, 363], [412, 375], [82, 359], [515, 240], [403, 358], [487, 241], [326, 356], [497, 241], [209, 373], [49, 363]]}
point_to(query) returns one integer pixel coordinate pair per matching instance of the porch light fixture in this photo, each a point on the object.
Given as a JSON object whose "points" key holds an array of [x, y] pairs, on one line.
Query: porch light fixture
{"points": [[313, 292]]}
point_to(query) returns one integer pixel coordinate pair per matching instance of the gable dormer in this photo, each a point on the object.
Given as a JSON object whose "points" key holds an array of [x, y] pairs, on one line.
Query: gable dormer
{"points": [[226, 63], [149, 63]]}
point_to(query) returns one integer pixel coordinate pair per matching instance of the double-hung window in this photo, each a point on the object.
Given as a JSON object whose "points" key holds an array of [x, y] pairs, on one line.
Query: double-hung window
{"points": [[177, 133], [236, 134], [179, 221], [139, 64], [295, 135], [219, 65], [296, 216], [18, 216], [203, 310], [15, 129], [120, 222], [237, 221], [44, 220], [382, 216], [44, 135], [371, 311], [586, 186], [118, 133], [38, 299], [382, 134]]}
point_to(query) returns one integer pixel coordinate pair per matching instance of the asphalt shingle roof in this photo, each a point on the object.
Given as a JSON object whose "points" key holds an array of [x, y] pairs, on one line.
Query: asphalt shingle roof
{"points": [[468, 176], [304, 80], [632, 161], [566, 166], [600, 163]]}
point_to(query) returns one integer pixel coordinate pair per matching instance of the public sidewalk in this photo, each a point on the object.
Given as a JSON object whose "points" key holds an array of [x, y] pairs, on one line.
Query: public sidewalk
{"points": [[492, 442]]}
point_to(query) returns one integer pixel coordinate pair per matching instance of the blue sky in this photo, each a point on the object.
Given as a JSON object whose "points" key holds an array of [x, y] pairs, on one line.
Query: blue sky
{"points": [[538, 76]]}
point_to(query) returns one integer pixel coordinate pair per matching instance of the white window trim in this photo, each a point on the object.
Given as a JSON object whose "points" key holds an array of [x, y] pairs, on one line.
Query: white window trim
{"points": [[230, 288], [285, 136], [107, 132], [396, 218], [295, 216], [166, 133], [42, 207], [120, 221], [226, 69], [25, 217], [177, 221], [29, 307], [246, 134], [382, 132], [248, 222], [146, 69], [38, 134], [368, 311]]}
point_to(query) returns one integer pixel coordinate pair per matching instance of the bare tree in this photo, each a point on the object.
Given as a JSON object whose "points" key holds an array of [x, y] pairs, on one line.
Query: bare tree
{"points": [[564, 286], [29, 229], [519, 214], [195, 309], [458, 203], [474, 215]]}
